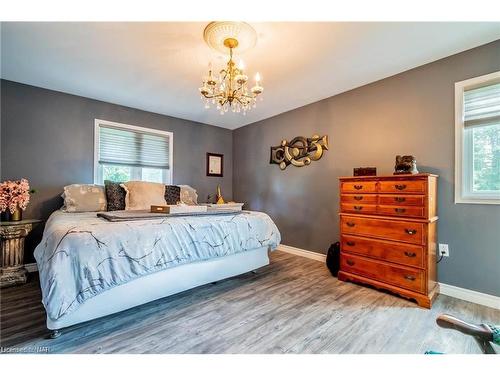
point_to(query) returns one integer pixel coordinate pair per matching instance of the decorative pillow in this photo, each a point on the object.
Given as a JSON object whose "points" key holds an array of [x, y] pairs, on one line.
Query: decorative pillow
{"points": [[84, 198], [188, 195], [115, 196], [172, 194], [141, 195]]}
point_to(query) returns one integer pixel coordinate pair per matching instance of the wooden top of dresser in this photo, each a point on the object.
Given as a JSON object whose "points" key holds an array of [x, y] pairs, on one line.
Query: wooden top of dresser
{"points": [[390, 177]]}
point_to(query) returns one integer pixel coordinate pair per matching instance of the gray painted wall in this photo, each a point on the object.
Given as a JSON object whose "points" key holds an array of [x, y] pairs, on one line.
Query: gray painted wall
{"points": [[48, 137], [410, 113]]}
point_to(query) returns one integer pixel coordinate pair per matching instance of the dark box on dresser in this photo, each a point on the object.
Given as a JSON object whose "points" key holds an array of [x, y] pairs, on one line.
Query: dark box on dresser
{"points": [[365, 171]]}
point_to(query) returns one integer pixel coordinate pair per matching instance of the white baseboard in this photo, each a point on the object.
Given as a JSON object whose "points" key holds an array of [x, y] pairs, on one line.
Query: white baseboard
{"points": [[302, 252], [31, 267], [448, 290], [470, 295]]}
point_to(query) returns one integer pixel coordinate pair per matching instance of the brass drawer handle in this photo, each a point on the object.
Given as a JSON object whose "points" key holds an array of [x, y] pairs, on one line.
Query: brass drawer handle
{"points": [[358, 197], [411, 231], [358, 187], [349, 224], [350, 262], [410, 277], [410, 255], [399, 199], [350, 243], [400, 210], [400, 187], [358, 208]]}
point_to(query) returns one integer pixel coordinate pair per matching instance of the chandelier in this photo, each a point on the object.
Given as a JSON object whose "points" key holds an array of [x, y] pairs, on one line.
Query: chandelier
{"points": [[229, 89]]}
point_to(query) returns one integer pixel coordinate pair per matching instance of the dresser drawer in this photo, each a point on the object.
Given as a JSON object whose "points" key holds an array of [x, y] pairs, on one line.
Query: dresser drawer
{"points": [[401, 276], [407, 211], [359, 198], [406, 254], [401, 200], [398, 186], [359, 208], [359, 187], [386, 229]]}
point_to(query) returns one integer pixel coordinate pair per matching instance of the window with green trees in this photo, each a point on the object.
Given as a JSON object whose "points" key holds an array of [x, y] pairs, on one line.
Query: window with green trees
{"points": [[477, 140]]}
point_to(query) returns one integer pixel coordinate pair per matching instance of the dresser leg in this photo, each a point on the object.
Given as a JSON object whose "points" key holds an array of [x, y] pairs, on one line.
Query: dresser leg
{"points": [[54, 334], [341, 276], [424, 302]]}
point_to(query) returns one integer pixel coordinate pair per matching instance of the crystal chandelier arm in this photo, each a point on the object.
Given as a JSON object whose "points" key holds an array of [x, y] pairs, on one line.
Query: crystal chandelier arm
{"points": [[224, 73], [208, 96], [251, 96], [242, 102]]}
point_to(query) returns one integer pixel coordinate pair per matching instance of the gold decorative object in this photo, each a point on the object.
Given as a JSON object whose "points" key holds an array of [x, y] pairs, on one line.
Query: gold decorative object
{"points": [[219, 199], [300, 151], [17, 215], [229, 89]]}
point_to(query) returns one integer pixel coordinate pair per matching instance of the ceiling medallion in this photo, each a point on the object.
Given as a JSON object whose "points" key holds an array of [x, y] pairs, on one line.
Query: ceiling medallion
{"points": [[228, 89]]}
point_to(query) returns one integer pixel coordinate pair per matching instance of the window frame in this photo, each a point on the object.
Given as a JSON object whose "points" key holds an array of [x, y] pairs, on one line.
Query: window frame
{"points": [[167, 174], [464, 167]]}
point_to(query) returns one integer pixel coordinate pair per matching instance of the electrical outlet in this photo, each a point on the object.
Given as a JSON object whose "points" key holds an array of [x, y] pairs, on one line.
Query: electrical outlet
{"points": [[443, 250]]}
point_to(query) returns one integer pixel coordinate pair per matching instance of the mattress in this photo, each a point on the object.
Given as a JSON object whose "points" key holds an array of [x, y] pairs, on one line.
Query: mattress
{"points": [[82, 255]]}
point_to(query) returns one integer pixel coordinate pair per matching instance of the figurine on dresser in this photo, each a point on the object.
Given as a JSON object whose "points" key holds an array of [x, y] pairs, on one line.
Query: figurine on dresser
{"points": [[406, 164]]}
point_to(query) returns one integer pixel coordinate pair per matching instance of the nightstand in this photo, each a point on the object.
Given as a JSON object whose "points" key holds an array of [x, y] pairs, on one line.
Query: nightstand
{"points": [[12, 235]]}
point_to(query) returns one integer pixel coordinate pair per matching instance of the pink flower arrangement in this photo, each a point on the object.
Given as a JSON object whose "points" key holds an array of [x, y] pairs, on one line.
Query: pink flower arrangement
{"points": [[14, 194]]}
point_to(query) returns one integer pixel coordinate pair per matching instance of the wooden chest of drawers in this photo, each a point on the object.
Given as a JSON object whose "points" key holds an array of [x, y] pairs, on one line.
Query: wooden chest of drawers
{"points": [[388, 234]]}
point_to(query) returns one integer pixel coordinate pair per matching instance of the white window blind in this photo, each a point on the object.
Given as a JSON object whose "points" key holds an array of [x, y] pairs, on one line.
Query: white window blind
{"points": [[133, 148], [126, 152], [482, 106]]}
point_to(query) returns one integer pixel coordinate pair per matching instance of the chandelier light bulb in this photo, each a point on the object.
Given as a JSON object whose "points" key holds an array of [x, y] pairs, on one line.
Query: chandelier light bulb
{"points": [[257, 78], [241, 65]]}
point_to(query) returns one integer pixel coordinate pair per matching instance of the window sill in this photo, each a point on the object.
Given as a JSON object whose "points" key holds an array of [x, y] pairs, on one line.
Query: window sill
{"points": [[477, 201]]}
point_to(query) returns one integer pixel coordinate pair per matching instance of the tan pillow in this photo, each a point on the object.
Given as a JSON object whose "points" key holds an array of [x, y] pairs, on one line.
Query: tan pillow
{"points": [[84, 198], [141, 195]]}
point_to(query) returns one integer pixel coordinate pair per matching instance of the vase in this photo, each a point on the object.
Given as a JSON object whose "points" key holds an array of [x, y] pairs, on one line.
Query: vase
{"points": [[16, 216]]}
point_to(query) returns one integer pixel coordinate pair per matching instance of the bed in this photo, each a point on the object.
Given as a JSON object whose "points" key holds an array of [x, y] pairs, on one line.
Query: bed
{"points": [[90, 267]]}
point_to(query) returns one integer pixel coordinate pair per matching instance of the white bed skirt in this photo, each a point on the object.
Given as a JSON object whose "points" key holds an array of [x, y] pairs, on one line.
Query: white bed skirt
{"points": [[162, 284]]}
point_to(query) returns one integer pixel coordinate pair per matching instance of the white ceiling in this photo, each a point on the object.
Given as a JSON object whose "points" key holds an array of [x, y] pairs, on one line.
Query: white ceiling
{"points": [[158, 67]]}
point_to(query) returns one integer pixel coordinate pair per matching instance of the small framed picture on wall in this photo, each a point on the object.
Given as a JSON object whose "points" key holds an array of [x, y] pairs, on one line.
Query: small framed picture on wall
{"points": [[215, 165]]}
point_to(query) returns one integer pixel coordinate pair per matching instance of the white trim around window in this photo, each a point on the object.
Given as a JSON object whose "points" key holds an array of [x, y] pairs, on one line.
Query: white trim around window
{"points": [[167, 173], [463, 146]]}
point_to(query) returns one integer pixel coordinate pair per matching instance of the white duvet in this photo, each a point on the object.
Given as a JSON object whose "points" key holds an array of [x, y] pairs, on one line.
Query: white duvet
{"points": [[82, 255]]}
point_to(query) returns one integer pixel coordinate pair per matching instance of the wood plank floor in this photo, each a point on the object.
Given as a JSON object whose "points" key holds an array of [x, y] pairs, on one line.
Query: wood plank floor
{"points": [[291, 306]]}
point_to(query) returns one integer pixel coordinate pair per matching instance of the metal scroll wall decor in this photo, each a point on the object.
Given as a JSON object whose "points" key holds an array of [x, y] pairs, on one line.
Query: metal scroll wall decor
{"points": [[299, 152]]}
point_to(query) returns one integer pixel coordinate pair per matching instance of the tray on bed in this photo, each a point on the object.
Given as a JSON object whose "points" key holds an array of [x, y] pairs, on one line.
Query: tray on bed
{"points": [[145, 214]]}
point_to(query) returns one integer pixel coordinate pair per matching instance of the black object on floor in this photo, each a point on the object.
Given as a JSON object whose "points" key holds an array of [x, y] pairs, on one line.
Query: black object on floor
{"points": [[333, 258]]}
